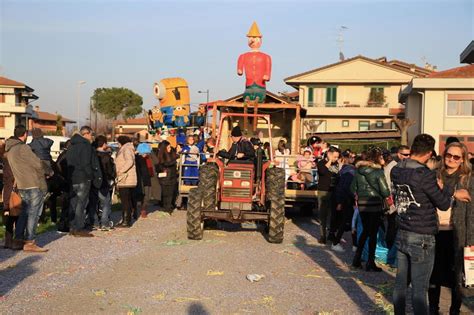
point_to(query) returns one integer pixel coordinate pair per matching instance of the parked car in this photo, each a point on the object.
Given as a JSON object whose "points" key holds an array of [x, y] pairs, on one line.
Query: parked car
{"points": [[57, 147]]}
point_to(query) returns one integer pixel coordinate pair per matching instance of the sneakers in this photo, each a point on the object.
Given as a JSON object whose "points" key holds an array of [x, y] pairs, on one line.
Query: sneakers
{"points": [[354, 249], [337, 248], [143, 214]]}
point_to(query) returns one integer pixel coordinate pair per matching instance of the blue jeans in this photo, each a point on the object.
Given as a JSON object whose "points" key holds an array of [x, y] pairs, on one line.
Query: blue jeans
{"points": [[416, 254], [31, 208], [79, 198], [105, 205]]}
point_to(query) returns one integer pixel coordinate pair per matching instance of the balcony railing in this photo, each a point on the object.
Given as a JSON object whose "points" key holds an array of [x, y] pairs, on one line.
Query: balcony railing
{"points": [[348, 104]]}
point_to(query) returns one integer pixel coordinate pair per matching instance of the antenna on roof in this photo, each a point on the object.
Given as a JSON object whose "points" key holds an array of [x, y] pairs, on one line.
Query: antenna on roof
{"points": [[340, 41], [427, 65]]}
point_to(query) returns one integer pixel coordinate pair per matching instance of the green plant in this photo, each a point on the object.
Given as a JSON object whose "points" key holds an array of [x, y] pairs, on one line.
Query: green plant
{"points": [[376, 97], [59, 125]]}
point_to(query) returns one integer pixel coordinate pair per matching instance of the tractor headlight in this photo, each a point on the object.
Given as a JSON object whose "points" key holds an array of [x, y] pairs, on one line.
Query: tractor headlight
{"points": [[227, 183], [245, 184]]}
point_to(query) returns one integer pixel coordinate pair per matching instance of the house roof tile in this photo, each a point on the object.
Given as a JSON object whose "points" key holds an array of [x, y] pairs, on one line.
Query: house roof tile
{"points": [[378, 61], [463, 72], [9, 82], [51, 117]]}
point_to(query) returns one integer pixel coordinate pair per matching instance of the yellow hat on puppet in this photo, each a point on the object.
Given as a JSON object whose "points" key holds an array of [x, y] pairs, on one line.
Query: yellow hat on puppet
{"points": [[254, 31]]}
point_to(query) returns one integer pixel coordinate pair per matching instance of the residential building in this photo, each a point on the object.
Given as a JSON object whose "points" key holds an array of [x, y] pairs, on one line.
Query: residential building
{"points": [[47, 122], [131, 127], [15, 106], [355, 98], [442, 104]]}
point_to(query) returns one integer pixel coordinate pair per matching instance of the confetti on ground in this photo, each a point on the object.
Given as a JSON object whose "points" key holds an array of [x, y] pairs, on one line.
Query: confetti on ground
{"points": [[175, 243], [160, 297], [220, 234], [189, 299], [163, 214], [133, 310], [267, 301], [44, 294], [99, 293], [287, 252], [215, 273]]}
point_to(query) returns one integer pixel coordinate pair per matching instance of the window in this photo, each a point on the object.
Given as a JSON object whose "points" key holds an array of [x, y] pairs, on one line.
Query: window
{"points": [[379, 124], [2, 122], [394, 125], [364, 125], [345, 123], [460, 108], [331, 96], [310, 97], [2, 98], [376, 96]]}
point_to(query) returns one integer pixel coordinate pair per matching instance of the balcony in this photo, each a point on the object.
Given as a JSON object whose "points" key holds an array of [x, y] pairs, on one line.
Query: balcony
{"points": [[348, 109]]}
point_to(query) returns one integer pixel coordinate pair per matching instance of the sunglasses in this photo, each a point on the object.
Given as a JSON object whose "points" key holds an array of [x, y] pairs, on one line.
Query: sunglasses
{"points": [[451, 156], [405, 154]]}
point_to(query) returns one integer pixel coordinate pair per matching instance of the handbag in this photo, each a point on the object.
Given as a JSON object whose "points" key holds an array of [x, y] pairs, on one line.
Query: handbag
{"points": [[15, 202], [469, 266]]}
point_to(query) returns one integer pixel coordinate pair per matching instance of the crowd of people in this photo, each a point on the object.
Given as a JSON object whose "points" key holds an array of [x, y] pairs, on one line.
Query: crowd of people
{"points": [[420, 200], [85, 177]]}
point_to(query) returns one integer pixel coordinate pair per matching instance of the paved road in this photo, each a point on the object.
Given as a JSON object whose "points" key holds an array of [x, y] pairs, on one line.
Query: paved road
{"points": [[152, 268]]}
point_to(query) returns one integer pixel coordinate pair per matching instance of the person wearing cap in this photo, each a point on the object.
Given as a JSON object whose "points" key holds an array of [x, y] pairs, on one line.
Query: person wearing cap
{"points": [[145, 171], [256, 65], [241, 149], [314, 142]]}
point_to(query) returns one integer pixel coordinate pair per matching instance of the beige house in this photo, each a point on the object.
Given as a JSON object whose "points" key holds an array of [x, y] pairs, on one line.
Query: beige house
{"points": [[14, 106], [442, 105], [357, 97]]}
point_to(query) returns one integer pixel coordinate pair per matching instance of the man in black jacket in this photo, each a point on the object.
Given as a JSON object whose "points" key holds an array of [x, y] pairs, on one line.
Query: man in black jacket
{"points": [[417, 195], [83, 171], [241, 149]]}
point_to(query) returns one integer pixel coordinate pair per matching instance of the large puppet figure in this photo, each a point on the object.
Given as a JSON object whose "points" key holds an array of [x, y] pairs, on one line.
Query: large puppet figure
{"points": [[256, 65], [173, 94]]}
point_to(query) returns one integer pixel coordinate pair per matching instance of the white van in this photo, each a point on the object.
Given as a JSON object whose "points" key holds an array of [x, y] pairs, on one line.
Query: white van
{"points": [[57, 146]]}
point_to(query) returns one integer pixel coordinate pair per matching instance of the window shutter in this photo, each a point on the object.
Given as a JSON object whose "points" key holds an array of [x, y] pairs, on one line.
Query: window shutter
{"points": [[310, 96]]}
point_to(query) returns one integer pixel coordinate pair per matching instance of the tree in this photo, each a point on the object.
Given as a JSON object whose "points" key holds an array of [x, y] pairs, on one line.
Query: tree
{"points": [[114, 102], [59, 125], [403, 125]]}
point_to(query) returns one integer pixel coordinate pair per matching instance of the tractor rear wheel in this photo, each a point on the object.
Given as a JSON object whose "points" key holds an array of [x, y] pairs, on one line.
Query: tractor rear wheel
{"points": [[208, 176], [275, 187], [194, 219]]}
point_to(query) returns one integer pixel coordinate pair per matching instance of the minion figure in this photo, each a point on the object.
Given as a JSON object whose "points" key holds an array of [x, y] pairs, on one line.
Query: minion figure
{"points": [[173, 94], [181, 116], [155, 116], [201, 116]]}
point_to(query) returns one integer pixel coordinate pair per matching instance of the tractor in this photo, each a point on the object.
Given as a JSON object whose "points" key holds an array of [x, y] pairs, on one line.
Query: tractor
{"points": [[239, 191]]}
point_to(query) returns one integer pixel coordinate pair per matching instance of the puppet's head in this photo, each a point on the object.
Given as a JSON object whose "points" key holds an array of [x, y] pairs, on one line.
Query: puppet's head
{"points": [[254, 37]]}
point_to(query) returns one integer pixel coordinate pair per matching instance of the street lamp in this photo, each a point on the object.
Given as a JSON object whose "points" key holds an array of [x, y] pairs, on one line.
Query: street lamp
{"points": [[207, 103], [207, 93], [79, 83]]}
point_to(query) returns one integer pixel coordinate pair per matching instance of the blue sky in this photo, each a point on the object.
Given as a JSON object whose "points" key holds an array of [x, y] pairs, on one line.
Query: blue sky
{"points": [[51, 45]]}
